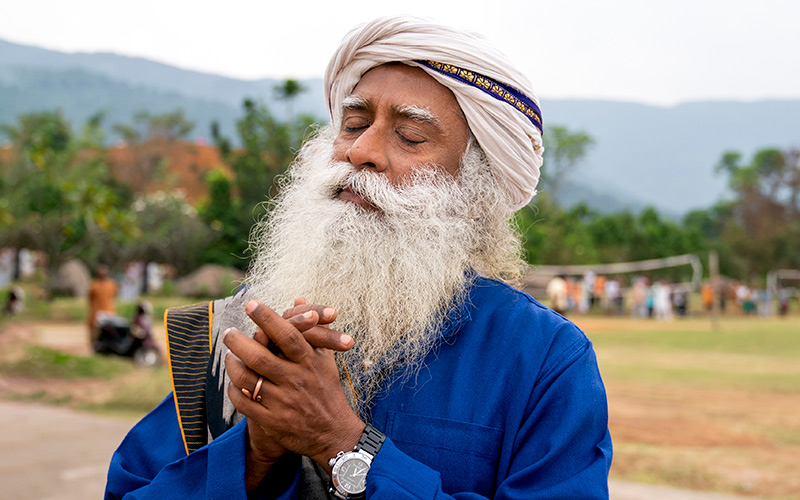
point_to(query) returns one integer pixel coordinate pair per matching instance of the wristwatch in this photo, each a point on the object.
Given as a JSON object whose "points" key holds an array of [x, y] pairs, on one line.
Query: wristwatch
{"points": [[350, 468]]}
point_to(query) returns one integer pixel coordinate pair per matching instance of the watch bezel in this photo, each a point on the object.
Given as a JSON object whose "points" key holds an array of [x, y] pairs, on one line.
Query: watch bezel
{"points": [[340, 461]]}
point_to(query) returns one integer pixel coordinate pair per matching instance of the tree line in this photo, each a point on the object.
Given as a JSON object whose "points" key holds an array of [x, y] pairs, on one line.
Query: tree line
{"points": [[755, 231], [58, 196]]}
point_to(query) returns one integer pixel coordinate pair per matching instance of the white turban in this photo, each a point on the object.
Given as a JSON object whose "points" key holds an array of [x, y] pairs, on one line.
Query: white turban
{"points": [[498, 101]]}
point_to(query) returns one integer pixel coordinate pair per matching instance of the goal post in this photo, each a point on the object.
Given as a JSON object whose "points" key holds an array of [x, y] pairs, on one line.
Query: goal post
{"points": [[536, 273], [777, 277]]}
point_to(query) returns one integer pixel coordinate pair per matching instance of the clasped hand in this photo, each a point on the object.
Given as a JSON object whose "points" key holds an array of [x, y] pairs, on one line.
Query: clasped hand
{"points": [[302, 406]]}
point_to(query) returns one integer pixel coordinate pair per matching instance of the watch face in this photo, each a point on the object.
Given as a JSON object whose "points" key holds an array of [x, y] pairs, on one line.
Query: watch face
{"points": [[352, 475]]}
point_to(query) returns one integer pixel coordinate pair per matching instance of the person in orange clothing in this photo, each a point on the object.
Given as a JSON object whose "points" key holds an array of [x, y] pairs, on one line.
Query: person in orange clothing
{"points": [[707, 295], [102, 294]]}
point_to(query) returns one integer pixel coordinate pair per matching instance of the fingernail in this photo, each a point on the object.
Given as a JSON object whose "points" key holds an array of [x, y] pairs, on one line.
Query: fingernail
{"points": [[225, 333], [346, 339], [328, 312], [308, 314], [251, 306]]}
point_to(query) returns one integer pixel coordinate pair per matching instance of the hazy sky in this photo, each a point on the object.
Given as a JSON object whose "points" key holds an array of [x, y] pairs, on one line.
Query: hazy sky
{"points": [[659, 52]]}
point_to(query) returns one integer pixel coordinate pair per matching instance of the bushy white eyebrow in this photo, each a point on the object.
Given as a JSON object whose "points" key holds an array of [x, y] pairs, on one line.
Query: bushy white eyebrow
{"points": [[354, 102], [409, 111], [417, 113]]}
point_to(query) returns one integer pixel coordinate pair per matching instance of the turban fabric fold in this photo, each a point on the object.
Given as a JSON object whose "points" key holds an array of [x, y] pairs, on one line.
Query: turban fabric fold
{"points": [[497, 100]]}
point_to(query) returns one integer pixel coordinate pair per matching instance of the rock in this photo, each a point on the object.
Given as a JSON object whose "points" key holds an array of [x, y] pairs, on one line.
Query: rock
{"points": [[72, 279], [210, 281]]}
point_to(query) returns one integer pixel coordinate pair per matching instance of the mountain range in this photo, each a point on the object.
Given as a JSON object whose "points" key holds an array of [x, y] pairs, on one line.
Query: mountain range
{"points": [[642, 154]]}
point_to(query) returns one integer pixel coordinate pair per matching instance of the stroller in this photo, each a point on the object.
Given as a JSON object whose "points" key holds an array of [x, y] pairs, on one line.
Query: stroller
{"points": [[116, 335]]}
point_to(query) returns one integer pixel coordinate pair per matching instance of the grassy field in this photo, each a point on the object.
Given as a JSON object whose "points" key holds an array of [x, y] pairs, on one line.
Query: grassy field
{"points": [[690, 406], [45, 356], [702, 408]]}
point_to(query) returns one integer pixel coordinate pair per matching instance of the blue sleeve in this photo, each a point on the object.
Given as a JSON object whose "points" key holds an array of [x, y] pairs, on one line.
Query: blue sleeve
{"points": [[562, 451], [151, 463]]}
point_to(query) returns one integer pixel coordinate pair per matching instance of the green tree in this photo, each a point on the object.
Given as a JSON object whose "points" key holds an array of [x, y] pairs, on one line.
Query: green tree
{"points": [[265, 153], [220, 215], [60, 195], [658, 237], [564, 151], [761, 225], [552, 235], [287, 92], [612, 234], [40, 140], [171, 126], [581, 235], [151, 139], [267, 148], [170, 231]]}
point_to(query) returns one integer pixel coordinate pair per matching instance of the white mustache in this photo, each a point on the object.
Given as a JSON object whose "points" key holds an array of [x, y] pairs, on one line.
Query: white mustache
{"points": [[411, 197]]}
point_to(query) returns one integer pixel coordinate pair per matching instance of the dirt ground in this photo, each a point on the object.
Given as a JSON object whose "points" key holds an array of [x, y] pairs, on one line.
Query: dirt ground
{"points": [[74, 457], [706, 439], [733, 441], [702, 439]]}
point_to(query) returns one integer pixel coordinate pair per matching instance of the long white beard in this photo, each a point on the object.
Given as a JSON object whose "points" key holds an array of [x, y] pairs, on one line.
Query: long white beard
{"points": [[393, 274]]}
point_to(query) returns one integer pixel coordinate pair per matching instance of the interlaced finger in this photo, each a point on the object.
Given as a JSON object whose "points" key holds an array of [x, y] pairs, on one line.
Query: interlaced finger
{"points": [[280, 331], [326, 314], [252, 357]]}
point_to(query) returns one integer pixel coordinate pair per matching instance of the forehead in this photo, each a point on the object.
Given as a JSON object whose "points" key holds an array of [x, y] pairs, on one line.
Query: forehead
{"points": [[400, 86]]}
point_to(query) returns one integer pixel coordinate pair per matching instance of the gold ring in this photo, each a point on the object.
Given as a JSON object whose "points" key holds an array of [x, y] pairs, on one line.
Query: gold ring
{"points": [[255, 396]]}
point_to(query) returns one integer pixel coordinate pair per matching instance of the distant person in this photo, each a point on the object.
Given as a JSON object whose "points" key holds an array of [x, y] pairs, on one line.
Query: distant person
{"points": [[727, 294], [751, 301], [662, 303], [639, 293], [707, 297], [765, 302], [102, 297], [142, 329], [587, 301], [599, 292], [16, 301], [571, 291], [650, 299], [613, 296], [557, 294], [680, 300], [783, 301], [133, 279], [142, 322], [743, 298]]}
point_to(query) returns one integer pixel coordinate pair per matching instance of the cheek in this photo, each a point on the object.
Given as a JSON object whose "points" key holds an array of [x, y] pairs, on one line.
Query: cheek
{"points": [[453, 152], [453, 164], [451, 161], [340, 147]]}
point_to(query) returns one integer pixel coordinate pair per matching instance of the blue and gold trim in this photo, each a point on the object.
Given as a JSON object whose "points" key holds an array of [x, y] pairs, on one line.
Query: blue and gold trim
{"points": [[188, 331], [499, 91]]}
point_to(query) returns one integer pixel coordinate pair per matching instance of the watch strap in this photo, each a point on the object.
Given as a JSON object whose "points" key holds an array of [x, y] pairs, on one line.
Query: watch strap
{"points": [[371, 440]]}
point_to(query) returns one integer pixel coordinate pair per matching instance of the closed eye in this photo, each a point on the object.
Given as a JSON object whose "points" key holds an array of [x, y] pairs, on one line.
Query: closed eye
{"points": [[410, 134], [353, 129], [408, 141], [355, 123]]}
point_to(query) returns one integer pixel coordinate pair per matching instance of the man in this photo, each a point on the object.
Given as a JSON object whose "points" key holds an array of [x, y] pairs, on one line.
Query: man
{"points": [[102, 293], [556, 291], [404, 367]]}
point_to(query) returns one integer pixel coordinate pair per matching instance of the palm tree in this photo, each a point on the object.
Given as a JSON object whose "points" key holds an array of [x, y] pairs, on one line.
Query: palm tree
{"points": [[288, 92]]}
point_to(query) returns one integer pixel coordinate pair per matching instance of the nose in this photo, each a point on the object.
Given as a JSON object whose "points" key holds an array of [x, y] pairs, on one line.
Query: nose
{"points": [[368, 150]]}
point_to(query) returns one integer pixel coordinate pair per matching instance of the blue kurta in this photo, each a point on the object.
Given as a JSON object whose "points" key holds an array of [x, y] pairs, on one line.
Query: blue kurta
{"points": [[509, 405]]}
